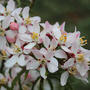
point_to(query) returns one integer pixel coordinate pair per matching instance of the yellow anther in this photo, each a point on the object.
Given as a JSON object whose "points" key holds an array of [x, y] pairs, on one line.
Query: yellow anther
{"points": [[28, 21], [72, 70], [35, 36], [2, 31], [82, 42], [3, 55], [42, 61], [7, 12], [80, 58], [17, 49], [63, 38], [2, 81]]}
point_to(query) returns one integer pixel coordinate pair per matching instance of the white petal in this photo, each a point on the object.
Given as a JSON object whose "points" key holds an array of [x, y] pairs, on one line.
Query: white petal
{"points": [[11, 33], [21, 60], [56, 32], [25, 12], [18, 18], [30, 46], [6, 22], [10, 62], [11, 5], [43, 51], [35, 18], [22, 29], [74, 47], [46, 42], [60, 54], [49, 55], [42, 72], [52, 65], [81, 69], [9, 50], [64, 78], [32, 65], [66, 49], [36, 27], [27, 51], [69, 63], [37, 54], [3, 42], [1, 76], [18, 10], [2, 8], [53, 43], [2, 18], [25, 37], [30, 28]]}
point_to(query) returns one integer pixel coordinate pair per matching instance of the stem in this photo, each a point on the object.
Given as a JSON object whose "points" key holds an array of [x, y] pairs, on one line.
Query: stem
{"points": [[20, 86], [41, 84], [17, 78], [35, 83], [5, 86], [32, 4]]}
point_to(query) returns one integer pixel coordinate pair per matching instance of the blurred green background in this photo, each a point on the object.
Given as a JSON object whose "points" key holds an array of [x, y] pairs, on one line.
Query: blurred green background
{"points": [[74, 13]]}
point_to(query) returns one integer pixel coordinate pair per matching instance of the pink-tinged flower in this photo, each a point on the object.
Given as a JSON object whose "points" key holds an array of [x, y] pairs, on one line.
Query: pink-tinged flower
{"points": [[42, 62], [4, 25], [17, 57], [71, 68], [14, 26], [9, 10]]}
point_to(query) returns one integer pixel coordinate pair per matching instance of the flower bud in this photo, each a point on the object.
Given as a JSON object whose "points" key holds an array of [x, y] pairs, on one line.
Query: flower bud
{"points": [[14, 26]]}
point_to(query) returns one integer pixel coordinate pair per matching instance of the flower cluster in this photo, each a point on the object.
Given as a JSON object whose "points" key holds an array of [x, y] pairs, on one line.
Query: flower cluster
{"points": [[39, 48]]}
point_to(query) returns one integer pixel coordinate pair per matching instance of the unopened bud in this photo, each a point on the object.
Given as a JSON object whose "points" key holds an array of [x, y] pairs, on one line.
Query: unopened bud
{"points": [[14, 26]]}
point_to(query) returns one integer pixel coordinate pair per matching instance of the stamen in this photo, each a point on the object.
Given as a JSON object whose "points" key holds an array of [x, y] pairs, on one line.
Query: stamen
{"points": [[35, 36], [72, 70], [82, 42], [63, 38], [28, 21], [17, 49], [80, 58], [2, 81], [7, 12], [42, 61], [2, 31]]}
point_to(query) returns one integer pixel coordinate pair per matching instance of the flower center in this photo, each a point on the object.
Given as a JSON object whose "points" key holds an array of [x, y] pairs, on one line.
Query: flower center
{"points": [[82, 42], [63, 38], [42, 61], [28, 21], [3, 55], [52, 48], [2, 31], [2, 81], [80, 58], [72, 70], [35, 36], [7, 12], [17, 49]]}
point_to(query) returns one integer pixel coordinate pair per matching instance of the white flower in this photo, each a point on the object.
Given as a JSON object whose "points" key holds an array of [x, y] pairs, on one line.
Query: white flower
{"points": [[10, 10], [48, 60]]}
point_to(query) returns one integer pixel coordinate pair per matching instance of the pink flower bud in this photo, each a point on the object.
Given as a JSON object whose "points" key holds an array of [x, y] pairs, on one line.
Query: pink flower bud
{"points": [[14, 26], [11, 40]]}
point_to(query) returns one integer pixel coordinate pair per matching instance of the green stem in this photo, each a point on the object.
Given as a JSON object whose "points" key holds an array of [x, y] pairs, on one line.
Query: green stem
{"points": [[41, 84], [35, 83], [5, 86], [50, 83], [17, 78], [20, 85], [32, 4]]}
